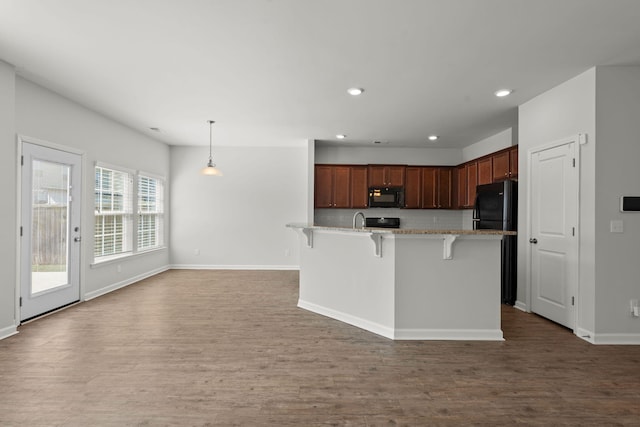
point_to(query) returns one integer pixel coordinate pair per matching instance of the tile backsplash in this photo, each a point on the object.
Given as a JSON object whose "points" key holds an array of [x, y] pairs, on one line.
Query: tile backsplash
{"points": [[421, 219]]}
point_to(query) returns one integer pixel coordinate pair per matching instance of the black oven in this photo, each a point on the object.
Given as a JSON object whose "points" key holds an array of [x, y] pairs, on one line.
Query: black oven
{"points": [[386, 197]]}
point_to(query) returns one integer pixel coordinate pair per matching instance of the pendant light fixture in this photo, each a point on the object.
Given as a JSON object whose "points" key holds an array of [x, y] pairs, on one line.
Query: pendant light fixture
{"points": [[211, 167]]}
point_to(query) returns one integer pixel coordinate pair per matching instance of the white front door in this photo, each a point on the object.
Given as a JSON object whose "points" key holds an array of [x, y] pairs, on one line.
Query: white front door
{"points": [[553, 239], [50, 233]]}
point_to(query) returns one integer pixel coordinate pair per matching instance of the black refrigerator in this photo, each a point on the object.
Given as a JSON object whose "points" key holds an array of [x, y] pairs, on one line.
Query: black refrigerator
{"points": [[496, 208]]}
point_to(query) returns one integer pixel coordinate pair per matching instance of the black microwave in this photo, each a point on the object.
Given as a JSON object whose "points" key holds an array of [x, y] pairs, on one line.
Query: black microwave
{"points": [[386, 197]]}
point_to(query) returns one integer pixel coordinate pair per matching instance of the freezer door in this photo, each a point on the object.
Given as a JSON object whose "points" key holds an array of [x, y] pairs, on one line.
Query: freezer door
{"points": [[489, 206]]}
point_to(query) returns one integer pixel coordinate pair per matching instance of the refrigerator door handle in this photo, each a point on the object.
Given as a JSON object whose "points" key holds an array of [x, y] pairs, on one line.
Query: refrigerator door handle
{"points": [[475, 218]]}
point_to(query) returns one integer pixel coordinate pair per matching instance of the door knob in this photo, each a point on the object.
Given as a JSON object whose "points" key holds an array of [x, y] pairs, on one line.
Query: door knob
{"points": [[77, 239], [533, 240]]}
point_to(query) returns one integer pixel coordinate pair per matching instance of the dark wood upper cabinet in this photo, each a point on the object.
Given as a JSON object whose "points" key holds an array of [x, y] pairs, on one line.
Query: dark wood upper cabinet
{"points": [[425, 187], [429, 188], [413, 187], [513, 161], [501, 166], [485, 171], [323, 186], [342, 187], [437, 190], [359, 187], [386, 175], [461, 186], [505, 164], [445, 189], [472, 182], [332, 186]]}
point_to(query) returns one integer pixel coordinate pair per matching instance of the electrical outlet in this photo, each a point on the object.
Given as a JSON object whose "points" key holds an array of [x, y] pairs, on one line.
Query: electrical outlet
{"points": [[287, 252], [633, 306], [196, 252], [616, 226], [119, 268]]}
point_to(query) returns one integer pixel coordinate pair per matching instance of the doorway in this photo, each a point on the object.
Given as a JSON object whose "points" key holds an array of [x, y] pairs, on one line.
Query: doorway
{"points": [[50, 229], [553, 226]]}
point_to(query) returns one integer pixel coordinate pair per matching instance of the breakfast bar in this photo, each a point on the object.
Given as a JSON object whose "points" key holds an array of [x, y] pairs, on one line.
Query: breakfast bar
{"points": [[404, 284]]}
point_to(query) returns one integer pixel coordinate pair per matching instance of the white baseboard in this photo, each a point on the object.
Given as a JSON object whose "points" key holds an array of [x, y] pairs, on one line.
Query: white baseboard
{"points": [[616, 339], [585, 335], [367, 325], [95, 294], [8, 331], [521, 306], [232, 267], [608, 339], [450, 334], [405, 334]]}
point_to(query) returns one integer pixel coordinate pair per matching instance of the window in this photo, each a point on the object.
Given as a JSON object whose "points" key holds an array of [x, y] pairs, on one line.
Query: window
{"points": [[113, 212], [118, 194], [150, 212]]}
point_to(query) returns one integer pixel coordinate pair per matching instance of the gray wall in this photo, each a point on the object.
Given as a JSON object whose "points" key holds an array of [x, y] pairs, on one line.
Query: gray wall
{"points": [[617, 270], [561, 112], [385, 155], [44, 115], [8, 227], [604, 103], [238, 220]]}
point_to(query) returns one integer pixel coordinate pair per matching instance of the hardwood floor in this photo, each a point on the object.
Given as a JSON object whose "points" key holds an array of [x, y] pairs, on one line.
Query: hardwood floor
{"points": [[201, 348]]}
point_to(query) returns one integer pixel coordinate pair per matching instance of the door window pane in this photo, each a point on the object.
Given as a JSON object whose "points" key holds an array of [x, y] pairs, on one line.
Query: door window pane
{"points": [[50, 228]]}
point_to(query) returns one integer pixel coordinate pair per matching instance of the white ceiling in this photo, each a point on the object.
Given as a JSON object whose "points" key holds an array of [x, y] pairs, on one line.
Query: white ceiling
{"points": [[275, 72]]}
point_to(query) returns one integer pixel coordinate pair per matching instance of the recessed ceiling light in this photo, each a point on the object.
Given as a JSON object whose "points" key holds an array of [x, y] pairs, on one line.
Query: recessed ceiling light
{"points": [[503, 92], [341, 136], [433, 137], [355, 91]]}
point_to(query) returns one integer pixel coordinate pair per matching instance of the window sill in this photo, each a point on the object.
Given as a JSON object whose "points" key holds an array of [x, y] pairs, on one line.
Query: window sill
{"points": [[118, 258]]}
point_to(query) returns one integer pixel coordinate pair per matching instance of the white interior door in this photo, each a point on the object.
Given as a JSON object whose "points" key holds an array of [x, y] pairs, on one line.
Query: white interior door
{"points": [[553, 239], [50, 242]]}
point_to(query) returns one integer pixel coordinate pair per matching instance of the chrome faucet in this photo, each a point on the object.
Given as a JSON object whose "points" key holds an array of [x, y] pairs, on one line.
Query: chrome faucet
{"points": [[355, 216]]}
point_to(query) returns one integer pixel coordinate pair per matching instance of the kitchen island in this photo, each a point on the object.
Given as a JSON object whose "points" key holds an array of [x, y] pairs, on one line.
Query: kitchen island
{"points": [[404, 284]]}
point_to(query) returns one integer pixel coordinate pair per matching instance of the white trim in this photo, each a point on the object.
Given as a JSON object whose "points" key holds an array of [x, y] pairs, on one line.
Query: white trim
{"points": [[405, 334], [47, 144], [450, 334], [113, 259], [98, 164], [8, 331], [367, 325], [573, 139], [585, 335], [151, 175], [521, 306], [616, 339], [232, 267], [20, 141], [94, 294]]}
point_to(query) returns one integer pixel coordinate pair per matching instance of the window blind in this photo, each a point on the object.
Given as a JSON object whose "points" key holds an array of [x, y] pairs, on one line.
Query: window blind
{"points": [[150, 212], [113, 212]]}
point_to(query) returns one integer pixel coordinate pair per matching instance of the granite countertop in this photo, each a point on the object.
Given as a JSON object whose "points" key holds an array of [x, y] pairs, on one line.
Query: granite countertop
{"points": [[405, 230]]}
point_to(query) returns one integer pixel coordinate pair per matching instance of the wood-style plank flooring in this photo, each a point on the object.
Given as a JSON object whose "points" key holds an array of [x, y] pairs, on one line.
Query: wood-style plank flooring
{"points": [[202, 348]]}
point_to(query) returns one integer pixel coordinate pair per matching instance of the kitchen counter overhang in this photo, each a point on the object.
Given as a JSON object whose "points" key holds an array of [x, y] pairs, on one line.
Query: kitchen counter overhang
{"points": [[407, 284]]}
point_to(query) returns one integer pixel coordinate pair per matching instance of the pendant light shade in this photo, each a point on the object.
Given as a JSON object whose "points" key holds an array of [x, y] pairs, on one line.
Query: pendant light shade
{"points": [[211, 169]]}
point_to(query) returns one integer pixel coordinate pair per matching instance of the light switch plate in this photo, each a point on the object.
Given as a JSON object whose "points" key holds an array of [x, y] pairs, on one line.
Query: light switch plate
{"points": [[617, 226]]}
